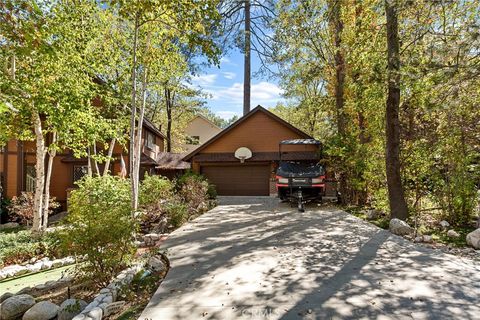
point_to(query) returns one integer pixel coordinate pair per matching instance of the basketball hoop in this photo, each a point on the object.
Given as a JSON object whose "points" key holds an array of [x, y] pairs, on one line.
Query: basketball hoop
{"points": [[243, 153]]}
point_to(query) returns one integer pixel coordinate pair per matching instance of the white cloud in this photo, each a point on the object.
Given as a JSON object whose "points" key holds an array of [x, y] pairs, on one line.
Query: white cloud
{"points": [[229, 75], [226, 114], [205, 80], [227, 61], [261, 93]]}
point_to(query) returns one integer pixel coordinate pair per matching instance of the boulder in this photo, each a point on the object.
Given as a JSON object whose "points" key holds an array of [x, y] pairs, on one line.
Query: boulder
{"points": [[399, 227], [444, 224], [44, 310], [156, 264], [453, 234], [95, 314], [5, 296], [14, 307], [70, 308], [473, 239]]}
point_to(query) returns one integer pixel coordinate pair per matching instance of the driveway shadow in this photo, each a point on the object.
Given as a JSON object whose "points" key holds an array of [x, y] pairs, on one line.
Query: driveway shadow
{"points": [[264, 260]]}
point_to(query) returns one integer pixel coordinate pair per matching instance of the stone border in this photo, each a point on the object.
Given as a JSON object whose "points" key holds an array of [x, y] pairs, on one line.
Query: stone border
{"points": [[41, 265], [105, 304]]}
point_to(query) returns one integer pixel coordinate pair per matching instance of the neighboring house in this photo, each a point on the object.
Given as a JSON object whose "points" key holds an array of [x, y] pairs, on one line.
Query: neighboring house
{"points": [[199, 131], [17, 164], [260, 131]]}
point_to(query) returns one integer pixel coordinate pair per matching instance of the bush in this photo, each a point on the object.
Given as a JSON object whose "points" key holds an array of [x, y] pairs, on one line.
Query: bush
{"points": [[195, 191], [100, 227], [177, 214], [21, 207], [154, 189], [21, 246]]}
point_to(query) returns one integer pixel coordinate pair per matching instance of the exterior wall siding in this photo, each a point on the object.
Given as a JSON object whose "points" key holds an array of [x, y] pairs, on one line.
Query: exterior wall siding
{"points": [[259, 133]]}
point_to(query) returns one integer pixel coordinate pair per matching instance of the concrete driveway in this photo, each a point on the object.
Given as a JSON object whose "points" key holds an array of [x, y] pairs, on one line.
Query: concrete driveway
{"points": [[252, 258]]}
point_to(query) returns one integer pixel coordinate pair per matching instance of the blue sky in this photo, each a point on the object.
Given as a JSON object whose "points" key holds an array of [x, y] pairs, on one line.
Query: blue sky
{"points": [[225, 85]]}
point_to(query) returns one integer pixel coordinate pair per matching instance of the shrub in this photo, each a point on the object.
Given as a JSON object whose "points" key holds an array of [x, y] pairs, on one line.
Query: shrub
{"points": [[101, 227], [21, 207], [20, 246], [195, 191], [177, 214], [154, 189]]}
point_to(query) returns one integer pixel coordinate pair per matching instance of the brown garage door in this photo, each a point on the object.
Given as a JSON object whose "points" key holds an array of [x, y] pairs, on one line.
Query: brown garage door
{"points": [[239, 180]]}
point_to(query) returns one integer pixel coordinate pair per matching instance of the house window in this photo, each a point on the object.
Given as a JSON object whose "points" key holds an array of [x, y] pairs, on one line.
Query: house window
{"points": [[150, 140], [30, 176], [195, 140], [79, 172]]}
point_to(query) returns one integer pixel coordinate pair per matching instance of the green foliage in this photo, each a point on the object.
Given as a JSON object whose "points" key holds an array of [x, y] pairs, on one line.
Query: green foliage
{"points": [[439, 97], [154, 189], [195, 191], [177, 213], [20, 246], [100, 226]]}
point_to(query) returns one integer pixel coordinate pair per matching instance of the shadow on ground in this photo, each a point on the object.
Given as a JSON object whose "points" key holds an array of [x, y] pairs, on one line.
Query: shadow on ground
{"points": [[253, 258]]}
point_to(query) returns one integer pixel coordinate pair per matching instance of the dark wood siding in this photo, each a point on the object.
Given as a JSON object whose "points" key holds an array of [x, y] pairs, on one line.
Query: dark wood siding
{"points": [[239, 179]]}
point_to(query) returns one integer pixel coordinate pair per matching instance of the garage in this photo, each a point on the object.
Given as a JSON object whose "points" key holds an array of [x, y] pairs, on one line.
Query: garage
{"points": [[242, 159], [239, 180]]}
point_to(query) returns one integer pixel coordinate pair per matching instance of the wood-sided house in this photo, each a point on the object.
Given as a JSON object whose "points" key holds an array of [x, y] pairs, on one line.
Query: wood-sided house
{"points": [[260, 131], [17, 164]]}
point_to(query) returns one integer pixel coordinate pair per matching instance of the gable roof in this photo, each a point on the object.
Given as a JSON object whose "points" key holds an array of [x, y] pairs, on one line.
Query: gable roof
{"points": [[201, 116], [147, 123], [172, 161], [242, 120]]}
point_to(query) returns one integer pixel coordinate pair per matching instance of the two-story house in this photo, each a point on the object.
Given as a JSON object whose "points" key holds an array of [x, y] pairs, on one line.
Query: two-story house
{"points": [[199, 131], [17, 164]]}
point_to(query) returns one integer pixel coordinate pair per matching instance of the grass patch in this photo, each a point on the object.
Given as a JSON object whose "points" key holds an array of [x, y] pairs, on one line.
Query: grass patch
{"points": [[138, 293], [441, 236]]}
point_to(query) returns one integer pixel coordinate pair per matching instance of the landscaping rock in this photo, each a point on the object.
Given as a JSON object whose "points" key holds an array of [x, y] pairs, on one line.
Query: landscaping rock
{"points": [[5, 296], [444, 224], [14, 307], [57, 263], [70, 308], [453, 234], [156, 264], [162, 225], [44, 310], [399, 227], [473, 239], [151, 239], [427, 239], [95, 314], [373, 214]]}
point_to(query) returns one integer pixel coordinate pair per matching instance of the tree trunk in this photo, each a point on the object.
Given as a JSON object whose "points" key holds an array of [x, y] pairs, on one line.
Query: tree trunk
{"points": [[396, 197], [89, 163], [168, 102], [46, 201], [40, 172], [133, 115], [95, 162], [247, 62], [138, 141], [337, 25], [109, 156]]}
